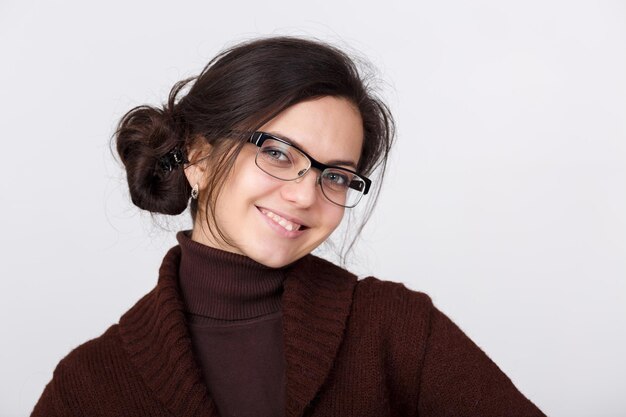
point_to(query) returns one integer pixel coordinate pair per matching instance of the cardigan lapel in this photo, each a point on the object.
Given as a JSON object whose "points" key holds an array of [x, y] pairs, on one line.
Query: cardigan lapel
{"points": [[157, 341], [316, 302]]}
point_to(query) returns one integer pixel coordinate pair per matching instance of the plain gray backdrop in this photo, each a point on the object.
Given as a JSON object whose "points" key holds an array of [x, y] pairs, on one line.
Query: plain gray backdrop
{"points": [[505, 199]]}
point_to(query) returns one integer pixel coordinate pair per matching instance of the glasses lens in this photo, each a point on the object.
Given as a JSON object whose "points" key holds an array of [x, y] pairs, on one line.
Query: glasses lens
{"points": [[342, 187], [281, 160]]}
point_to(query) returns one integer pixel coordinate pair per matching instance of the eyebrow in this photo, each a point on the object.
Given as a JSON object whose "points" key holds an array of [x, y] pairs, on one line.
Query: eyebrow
{"points": [[333, 162]]}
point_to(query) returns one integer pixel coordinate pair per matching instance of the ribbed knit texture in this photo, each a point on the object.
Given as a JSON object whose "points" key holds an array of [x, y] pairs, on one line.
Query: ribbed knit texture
{"points": [[234, 319], [224, 285], [353, 348]]}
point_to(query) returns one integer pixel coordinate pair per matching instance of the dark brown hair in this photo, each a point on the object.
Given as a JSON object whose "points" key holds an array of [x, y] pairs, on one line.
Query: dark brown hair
{"points": [[238, 91]]}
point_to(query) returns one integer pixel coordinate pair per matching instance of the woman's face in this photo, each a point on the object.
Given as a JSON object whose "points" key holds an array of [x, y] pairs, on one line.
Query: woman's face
{"points": [[252, 205]]}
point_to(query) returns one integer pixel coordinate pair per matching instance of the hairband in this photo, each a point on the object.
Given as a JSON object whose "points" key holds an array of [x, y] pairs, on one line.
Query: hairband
{"points": [[172, 159]]}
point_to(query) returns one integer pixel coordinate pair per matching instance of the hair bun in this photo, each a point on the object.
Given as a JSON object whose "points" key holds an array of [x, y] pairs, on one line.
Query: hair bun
{"points": [[144, 136]]}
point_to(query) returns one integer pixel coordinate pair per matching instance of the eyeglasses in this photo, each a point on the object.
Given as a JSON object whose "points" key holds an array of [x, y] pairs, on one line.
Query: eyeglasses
{"points": [[286, 162]]}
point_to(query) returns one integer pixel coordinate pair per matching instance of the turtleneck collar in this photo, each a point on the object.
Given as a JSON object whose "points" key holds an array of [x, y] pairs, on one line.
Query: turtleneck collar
{"points": [[225, 285]]}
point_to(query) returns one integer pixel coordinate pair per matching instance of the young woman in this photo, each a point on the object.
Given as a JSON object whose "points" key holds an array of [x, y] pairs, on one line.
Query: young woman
{"points": [[269, 146]]}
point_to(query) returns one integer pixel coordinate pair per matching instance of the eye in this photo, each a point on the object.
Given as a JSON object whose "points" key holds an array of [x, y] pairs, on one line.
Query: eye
{"points": [[336, 179], [276, 156]]}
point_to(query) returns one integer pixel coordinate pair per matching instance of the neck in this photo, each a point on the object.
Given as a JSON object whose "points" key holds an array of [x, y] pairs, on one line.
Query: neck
{"points": [[224, 285]]}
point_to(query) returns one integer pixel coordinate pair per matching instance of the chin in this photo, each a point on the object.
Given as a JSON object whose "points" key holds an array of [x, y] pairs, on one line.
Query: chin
{"points": [[275, 263], [276, 260]]}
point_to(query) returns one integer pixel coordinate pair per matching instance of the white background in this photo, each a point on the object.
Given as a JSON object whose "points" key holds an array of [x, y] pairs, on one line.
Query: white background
{"points": [[505, 200]]}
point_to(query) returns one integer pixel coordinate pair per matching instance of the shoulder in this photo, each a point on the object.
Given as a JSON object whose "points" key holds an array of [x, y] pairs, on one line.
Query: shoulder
{"points": [[87, 360], [78, 375], [379, 310], [381, 295], [90, 365], [93, 378], [400, 318], [393, 297]]}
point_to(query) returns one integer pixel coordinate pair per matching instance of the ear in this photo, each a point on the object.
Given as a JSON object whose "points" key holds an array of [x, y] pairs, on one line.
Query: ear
{"points": [[196, 169]]}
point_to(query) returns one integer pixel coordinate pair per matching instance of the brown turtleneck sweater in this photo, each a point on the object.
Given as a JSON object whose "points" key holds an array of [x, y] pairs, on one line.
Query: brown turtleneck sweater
{"points": [[234, 315]]}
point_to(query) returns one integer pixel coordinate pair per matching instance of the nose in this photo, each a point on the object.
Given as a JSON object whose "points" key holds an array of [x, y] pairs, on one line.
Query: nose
{"points": [[302, 192]]}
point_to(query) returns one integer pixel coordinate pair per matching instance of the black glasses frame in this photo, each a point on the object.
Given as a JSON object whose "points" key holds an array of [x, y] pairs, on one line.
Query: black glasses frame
{"points": [[257, 138]]}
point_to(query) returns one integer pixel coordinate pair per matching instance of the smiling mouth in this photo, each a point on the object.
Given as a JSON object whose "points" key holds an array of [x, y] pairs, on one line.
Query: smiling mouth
{"points": [[286, 224]]}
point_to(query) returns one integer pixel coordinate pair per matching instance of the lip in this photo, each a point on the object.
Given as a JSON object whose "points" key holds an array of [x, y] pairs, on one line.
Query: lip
{"points": [[278, 228]]}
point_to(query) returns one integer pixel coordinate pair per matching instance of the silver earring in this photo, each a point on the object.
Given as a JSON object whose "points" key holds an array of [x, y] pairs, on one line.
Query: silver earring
{"points": [[194, 192]]}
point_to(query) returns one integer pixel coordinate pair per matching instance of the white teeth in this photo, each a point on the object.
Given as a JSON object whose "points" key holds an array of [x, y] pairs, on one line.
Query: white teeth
{"points": [[283, 222], [286, 225]]}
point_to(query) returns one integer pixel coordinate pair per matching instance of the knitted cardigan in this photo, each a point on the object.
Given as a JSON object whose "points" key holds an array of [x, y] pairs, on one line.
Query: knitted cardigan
{"points": [[352, 348]]}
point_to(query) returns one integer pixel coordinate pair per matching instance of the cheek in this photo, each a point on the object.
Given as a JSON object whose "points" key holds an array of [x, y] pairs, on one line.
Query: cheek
{"points": [[256, 184], [248, 181], [333, 216]]}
